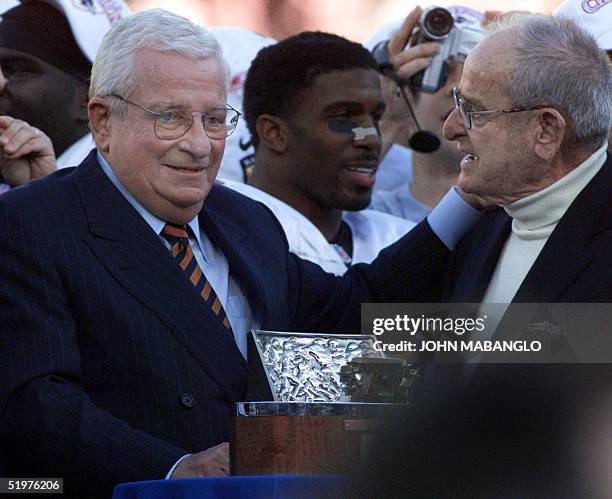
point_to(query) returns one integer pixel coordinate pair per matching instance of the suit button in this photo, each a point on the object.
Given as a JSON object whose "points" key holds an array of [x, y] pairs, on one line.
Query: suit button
{"points": [[187, 400]]}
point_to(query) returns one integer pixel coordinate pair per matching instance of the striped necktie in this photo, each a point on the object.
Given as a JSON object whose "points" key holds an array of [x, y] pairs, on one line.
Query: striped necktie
{"points": [[178, 238]]}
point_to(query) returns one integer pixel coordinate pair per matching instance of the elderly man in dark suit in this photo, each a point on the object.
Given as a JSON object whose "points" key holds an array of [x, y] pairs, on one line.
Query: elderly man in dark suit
{"points": [[129, 283], [533, 126]]}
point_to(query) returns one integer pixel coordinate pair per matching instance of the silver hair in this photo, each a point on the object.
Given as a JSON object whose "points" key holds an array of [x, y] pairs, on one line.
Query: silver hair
{"points": [[155, 29], [557, 63]]}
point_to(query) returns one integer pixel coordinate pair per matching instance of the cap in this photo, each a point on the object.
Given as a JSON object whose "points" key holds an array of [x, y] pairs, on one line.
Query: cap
{"points": [[63, 33], [593, 15], [90, 20]]}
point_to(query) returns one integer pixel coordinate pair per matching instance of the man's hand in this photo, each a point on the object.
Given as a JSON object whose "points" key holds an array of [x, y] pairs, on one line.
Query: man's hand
{"points": [[26, 153], [407, 60], [396, 123], [210, 462]]}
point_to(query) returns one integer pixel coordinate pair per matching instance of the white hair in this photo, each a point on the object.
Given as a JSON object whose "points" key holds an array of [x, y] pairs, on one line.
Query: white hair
{"points": [[155, 29], [555, 62]]}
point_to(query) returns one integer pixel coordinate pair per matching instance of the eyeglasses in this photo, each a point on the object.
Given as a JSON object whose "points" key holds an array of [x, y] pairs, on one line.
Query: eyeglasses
{"points": [[172, 124], [468, 115]]}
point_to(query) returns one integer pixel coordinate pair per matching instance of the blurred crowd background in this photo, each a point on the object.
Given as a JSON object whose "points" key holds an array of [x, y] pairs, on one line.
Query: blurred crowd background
{"points": [[354, 19]]}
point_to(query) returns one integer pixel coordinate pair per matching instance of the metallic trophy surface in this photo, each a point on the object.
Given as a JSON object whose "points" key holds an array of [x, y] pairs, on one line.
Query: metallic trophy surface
{"points": [[325, 368]]}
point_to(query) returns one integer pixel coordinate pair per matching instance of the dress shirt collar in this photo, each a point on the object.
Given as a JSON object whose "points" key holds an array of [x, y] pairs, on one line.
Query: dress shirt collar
{"points": [[156, 223]]}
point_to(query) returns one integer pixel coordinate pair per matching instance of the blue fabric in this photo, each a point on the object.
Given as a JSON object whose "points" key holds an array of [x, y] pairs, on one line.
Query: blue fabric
{"points": [[452, 218], [248, 487], [401, 203], [394, 169]]}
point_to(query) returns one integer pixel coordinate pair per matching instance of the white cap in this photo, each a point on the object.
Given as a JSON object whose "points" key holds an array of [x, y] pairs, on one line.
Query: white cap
{"points": [[90, 20], [461, 15], [240, 46], [593, 15]]}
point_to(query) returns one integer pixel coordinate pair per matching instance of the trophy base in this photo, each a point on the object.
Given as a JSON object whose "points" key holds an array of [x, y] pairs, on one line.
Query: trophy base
{"points": [[333, 443]]}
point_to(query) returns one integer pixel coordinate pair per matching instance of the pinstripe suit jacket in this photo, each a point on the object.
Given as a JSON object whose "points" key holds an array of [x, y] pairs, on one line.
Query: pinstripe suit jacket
{"points": [[102, 335]]}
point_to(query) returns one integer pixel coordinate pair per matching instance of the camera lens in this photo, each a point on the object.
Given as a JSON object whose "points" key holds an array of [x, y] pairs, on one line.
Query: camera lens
{"points": [[437, 22]]}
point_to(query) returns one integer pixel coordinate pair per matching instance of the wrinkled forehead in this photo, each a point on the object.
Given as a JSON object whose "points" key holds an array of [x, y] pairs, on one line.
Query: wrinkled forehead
{"points": [[486, 69], [151, 64]]}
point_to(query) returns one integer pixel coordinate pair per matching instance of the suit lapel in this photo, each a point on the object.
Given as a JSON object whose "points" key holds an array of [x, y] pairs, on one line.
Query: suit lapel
{"points": [[138, 260], [246, 261], [572, 244], [478, 266]]}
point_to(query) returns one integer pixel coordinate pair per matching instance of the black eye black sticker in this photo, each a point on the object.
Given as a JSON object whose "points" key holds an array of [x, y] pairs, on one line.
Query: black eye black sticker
{"points": [[342, 126]]}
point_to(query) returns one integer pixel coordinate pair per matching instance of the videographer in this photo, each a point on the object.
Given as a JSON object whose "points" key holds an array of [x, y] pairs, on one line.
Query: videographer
{"points": [[431, 43]]}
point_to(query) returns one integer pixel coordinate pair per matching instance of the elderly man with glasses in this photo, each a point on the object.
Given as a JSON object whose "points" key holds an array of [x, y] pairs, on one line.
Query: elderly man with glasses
{"points": [[533, 126], [128, 284]]}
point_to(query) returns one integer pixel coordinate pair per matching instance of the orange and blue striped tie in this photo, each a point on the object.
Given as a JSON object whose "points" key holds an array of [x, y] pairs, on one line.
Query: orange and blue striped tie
{"points": [[178, 238]]}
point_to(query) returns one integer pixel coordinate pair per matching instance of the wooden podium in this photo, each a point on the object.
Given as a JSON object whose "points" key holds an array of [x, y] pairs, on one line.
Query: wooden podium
{"points": [[304, 444]]}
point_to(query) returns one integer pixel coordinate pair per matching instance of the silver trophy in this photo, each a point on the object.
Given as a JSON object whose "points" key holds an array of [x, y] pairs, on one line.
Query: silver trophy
{"points": [[325, 368]]}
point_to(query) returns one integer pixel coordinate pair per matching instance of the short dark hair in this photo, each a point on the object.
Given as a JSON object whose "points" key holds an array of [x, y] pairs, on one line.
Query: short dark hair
{"points": [[281, 71]]}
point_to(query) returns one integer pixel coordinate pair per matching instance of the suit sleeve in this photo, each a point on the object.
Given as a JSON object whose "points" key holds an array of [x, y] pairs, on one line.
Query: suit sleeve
{"points": [[48, 423], [410, 270]]}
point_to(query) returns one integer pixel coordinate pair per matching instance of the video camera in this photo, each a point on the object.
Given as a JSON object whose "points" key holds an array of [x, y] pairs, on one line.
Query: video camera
{"points": [[458, 36]]}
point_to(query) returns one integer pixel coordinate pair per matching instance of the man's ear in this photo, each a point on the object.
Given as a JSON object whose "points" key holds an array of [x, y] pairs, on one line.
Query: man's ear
{"points": [[99, 122], [551, 129], [273, 132]]}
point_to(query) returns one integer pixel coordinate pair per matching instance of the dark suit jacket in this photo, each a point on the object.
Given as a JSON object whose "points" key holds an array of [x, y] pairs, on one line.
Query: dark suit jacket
{"points": [[573, 267], [112, 367]]}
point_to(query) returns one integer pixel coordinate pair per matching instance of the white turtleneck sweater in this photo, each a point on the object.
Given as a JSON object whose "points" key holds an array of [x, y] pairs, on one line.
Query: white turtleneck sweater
{"points": [[533, 220]]}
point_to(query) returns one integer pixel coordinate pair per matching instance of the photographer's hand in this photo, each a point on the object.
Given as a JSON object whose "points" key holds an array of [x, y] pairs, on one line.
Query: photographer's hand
{"points": [[396, 125], [407, 60]]}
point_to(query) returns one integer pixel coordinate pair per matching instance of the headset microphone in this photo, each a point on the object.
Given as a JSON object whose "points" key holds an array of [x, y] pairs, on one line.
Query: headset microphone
{"points": [[422, 141]]}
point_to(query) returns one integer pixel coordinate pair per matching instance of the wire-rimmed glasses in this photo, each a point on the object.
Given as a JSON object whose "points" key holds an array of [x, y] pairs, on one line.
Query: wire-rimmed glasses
{"points": [[468, 115], [172, 124]]}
